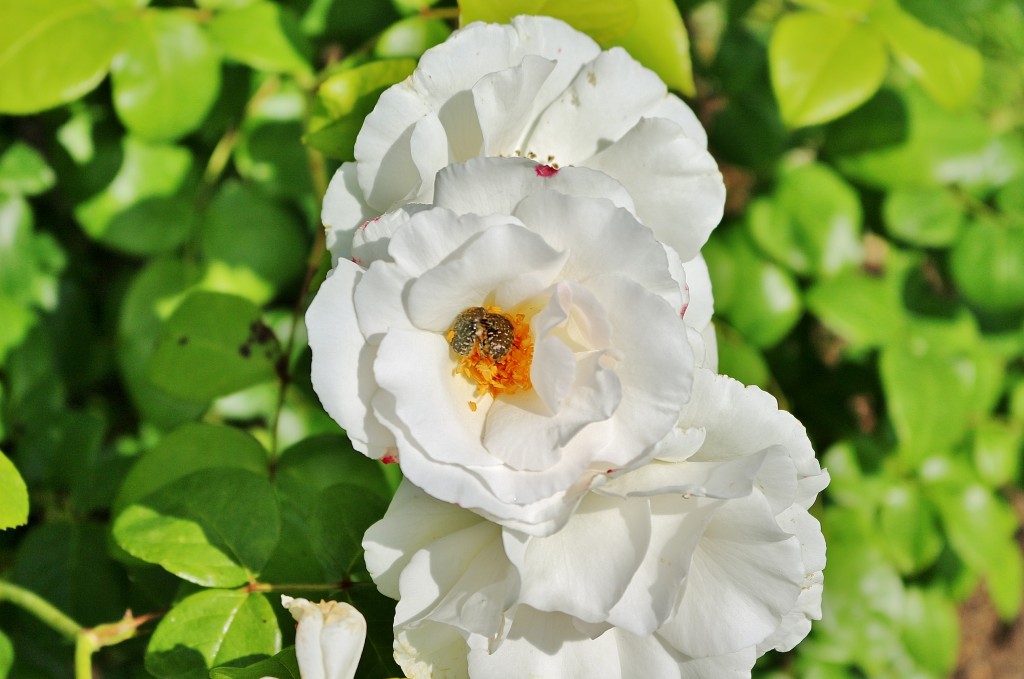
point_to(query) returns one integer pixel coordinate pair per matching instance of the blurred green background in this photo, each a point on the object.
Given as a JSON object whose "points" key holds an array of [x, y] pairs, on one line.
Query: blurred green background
{"points": [[162, 166]]}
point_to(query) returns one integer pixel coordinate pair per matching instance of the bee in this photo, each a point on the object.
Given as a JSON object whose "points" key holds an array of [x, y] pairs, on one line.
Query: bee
{"points": [[494, 332]]}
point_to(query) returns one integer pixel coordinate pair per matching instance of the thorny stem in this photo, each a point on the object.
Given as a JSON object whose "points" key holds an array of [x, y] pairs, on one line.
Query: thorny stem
{"points": [[87, 640]]}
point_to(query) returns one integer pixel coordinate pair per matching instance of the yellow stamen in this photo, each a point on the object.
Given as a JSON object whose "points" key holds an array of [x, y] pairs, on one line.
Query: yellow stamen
{"points": [[507, 375]]}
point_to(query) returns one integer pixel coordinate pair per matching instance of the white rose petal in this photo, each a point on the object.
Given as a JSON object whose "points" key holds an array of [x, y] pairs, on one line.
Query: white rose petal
{"points": [[598, 377], [540, 90], [691, 565]]}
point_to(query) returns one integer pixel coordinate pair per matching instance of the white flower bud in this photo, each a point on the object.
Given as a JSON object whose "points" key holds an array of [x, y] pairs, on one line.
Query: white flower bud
{"points": [[329, 638]]}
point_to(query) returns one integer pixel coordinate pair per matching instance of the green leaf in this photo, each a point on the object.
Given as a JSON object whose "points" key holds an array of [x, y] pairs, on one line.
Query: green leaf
{"points": [[146, 304], [849, 8], [909, 528], [67, 564], [864, 309], [978, 522], [813, 223], [225, 4], [906, 140], [1005, 583], [988, 265], [412, 6], [29, 262], [1010, 198], [54, 51], [769, 305], [849, 486], [263, 35], [167, 78], [315, 464], [6, 655], [23, 171], [739, 359], [997, 451], [192, 447], [215, 527], [659, 41], [948, 70], [344, 100], [341, 514], [269, 151], [602, 20], [823, 66], [213, 344], [930, 631], [284, 665], [926, 395], [212, 628], [981, 527], [410, 37], [245, 229], [13, 496], [305, 470], [928, 217], [15, 323], [145, 208]]}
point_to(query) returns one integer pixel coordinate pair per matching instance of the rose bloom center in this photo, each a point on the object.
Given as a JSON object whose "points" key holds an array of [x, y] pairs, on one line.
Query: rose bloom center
{"points": [[493, 349]]}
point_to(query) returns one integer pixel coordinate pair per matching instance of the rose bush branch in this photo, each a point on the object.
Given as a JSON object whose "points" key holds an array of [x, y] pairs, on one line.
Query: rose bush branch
{"points": [[87, 640]]}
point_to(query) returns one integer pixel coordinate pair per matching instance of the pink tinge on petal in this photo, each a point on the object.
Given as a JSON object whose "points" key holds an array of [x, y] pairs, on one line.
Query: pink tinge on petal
{"points": [[545, 171]]}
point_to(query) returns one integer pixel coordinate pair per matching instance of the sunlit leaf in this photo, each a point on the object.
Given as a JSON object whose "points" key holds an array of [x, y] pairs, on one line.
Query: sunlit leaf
{"points": [[988, 265], [658, 40], [823, 66], [343, 101], [143, 210], [6, 655], [770, 302], [929, 217], [930, 630], [410, 37], [167, 78], [54, 51], [997, 451], [23, 170], [263, 35], [948, 70], [13, 495], [215, 527], [602, 20], [812, 224], [212, 628], [925, 394], [910, 528]]}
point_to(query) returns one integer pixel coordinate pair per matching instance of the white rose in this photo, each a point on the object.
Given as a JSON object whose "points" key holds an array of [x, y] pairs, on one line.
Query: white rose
{"points": [[329, 637], [594, 369], [541, 90], [692, 565]]}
